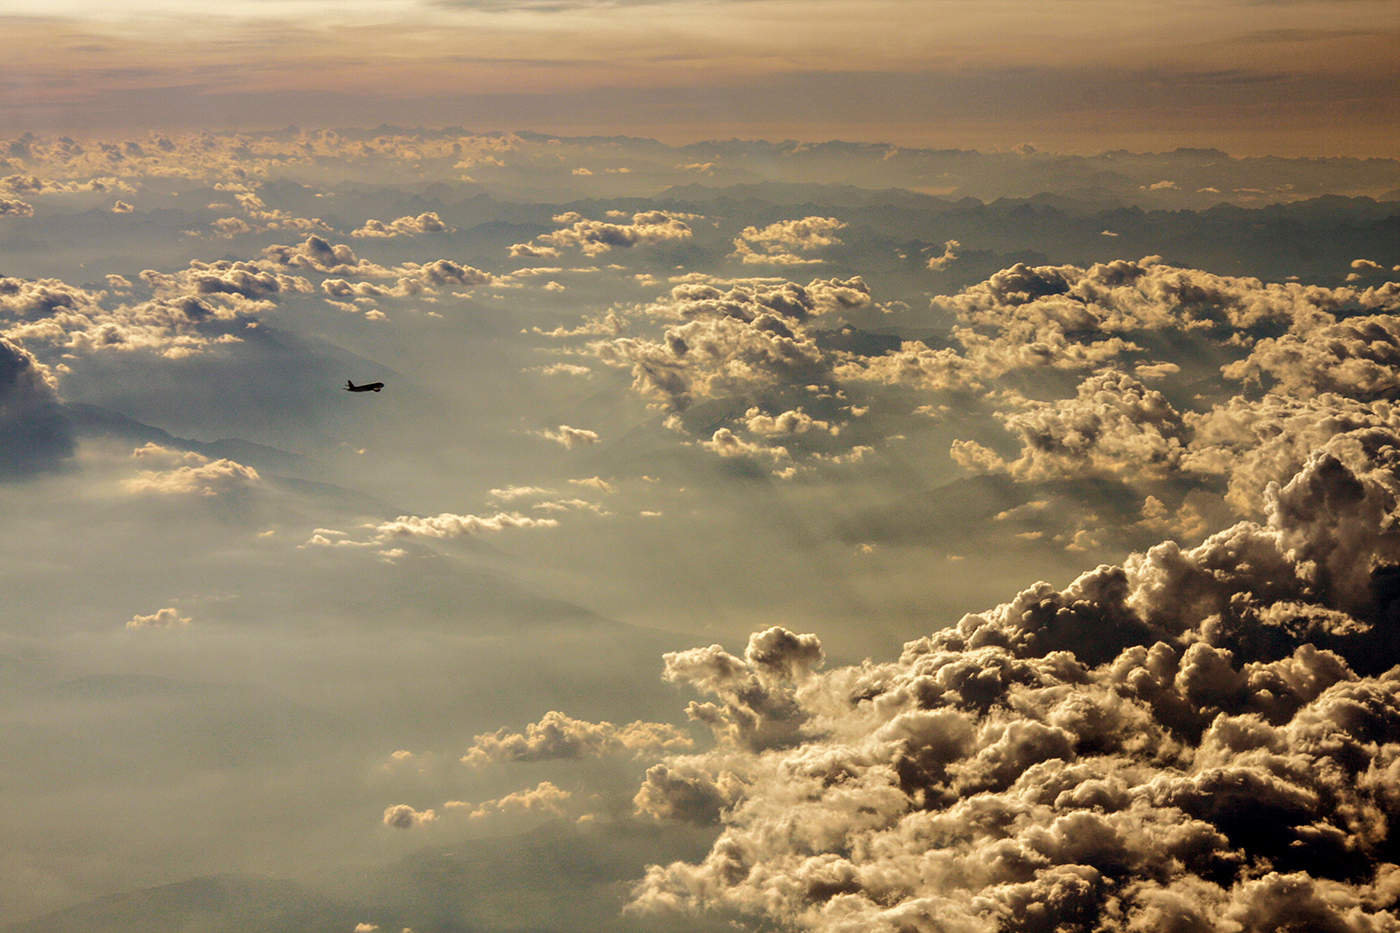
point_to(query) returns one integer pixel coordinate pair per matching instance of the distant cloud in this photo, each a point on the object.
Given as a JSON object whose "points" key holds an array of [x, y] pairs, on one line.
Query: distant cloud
{"points": [[167, 618], [122, 207], [787, 242], [1114, 424], [569, 437], [728, 444], [11, 207], [946, 258], [183, 473], [793, 421], [543, 799], [558, 736], [427, 222], [594, 237], [448, 525], [402, 816]]}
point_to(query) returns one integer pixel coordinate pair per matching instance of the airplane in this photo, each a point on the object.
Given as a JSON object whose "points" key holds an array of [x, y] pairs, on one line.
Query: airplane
{"points": [[367, 387]]}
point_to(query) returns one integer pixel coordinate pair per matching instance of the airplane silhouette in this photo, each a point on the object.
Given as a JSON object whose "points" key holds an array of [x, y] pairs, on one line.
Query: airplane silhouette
{"points": [[367, 387]]}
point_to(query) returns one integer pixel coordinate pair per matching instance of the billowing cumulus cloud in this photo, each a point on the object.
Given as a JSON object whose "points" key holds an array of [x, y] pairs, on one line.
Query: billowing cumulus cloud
{"points": [[558, 736], [1114, 424], [722, 350], [1200, 738], [1358, 357], [787, 242], [1067, 317], [13, 207], [190, 311], [427, 222]]}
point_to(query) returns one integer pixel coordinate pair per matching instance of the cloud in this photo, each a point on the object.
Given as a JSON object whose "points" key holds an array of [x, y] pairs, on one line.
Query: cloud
{"points": [[427, 222], [946, 258], [558, 736], [1066, 317], [13, 207], [787, 241], [716, 354], [1113, 425], [402, 816], [1357, 357], [122, 207], [37, 435], [570, 437], [318, 254], [542, 799], [193, 310], [447, 525], [594, 237], [167, 618], [786, 423], [1196, 739], [184, 473]]}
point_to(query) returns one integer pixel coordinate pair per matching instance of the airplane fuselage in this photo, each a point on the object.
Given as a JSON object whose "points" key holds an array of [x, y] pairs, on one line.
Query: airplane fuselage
{"points": [[367, 387]]}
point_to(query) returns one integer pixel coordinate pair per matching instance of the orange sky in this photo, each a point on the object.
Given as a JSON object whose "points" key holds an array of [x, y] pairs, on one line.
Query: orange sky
{"points": [[1076, 75]]}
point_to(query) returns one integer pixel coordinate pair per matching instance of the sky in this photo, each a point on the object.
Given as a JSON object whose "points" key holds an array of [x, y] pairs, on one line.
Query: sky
{"points": [[838, 467], [1256, 78]]}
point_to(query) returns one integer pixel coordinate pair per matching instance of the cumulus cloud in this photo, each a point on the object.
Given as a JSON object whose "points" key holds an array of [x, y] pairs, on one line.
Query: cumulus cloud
{"points": [[728, 444], [192, 310], [594, 237], [320, 255], [946, 258], [1200, 738], [717, 354], [13, 207], [427, 222], [1066, 317], [787, 242], [792, 421], [1357, 357], [558, 736], [1114, 424], [185, 473], [167, 618], [570, 437], [449, 525], [544, 799], [402, 816]]}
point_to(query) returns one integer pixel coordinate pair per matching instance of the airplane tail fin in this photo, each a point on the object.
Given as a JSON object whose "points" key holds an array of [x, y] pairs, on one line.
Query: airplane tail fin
{"points": [[349, 384]]}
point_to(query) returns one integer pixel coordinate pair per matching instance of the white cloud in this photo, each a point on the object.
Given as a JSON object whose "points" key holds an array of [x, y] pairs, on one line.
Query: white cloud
{"points": [[167, 618]]}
